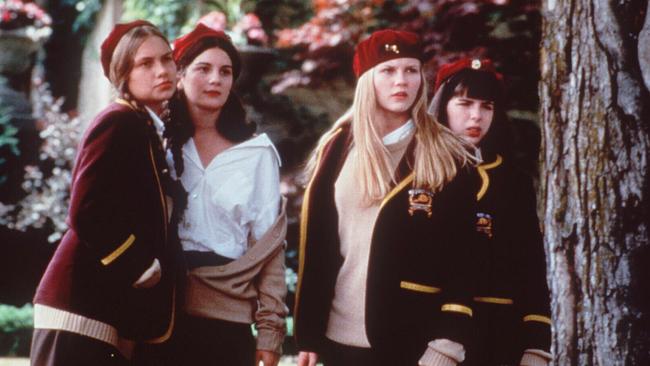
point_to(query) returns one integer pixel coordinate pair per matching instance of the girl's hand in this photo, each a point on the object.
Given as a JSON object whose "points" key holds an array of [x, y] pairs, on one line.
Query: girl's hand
{"points": [[268, 358], [307, 359]]}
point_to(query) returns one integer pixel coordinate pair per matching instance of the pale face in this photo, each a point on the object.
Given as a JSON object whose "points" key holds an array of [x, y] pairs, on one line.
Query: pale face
{"points": [[470, 118], [207, 81], [396, 85], [152, 79]]}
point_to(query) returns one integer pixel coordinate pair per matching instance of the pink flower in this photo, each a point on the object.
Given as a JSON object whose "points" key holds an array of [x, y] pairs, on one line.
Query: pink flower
{"points": [[215, 20]]}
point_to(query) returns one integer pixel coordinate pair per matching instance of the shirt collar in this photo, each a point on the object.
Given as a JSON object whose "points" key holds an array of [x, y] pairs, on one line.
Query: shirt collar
{"points": [[157, 122], [399, 133]]}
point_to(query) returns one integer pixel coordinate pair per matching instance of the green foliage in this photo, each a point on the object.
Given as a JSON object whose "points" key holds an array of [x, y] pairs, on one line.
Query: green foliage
{"points": [[16, 326], [177, 17], [170, 16], [87, 12], [8, 140]]}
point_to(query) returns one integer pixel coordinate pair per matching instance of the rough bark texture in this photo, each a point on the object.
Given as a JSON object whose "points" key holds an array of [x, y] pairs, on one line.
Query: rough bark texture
{"points": [[595, 110]]}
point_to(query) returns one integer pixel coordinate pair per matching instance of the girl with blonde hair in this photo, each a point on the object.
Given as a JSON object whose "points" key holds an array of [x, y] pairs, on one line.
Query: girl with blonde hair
{"points": [[386, 230]]}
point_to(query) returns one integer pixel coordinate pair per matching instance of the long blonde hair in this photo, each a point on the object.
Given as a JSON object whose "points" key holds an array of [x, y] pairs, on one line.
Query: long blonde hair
{"points": [[438, 152]]}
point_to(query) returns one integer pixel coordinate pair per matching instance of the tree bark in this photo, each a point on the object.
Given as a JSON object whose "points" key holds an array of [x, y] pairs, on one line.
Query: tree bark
{"points": [[595, 113]]}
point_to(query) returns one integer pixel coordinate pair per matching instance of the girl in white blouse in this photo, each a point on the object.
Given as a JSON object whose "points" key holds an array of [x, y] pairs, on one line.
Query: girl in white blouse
{"points": [[232, 230]]}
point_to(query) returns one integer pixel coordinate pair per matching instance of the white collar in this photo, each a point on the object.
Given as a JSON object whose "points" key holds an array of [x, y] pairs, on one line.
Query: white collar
{"points": [[261, 140], [399, 133], [478, 154], [160, 125]]}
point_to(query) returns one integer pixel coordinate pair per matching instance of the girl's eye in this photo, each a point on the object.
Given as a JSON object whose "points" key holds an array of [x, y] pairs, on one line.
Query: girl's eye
{"points": [[387, 70], [226, 71], [488, 106], [202, 69], [146, 63], [412, 70]]}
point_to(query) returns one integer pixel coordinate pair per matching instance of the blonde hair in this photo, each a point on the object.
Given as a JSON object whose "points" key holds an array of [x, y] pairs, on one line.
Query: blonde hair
{"points": [[438, 152], [124, 55]]}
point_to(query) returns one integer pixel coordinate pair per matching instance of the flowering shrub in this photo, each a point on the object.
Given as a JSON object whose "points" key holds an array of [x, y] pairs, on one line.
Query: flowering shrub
{"points": [[506, 31], [19, 15], [48, 183]]}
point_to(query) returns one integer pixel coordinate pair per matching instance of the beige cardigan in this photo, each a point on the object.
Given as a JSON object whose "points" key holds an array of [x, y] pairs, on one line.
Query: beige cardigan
{"points": [[251, 289]]}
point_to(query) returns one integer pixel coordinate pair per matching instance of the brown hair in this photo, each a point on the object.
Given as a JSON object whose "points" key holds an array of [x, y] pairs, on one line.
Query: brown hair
{"points": [[124, 55]]}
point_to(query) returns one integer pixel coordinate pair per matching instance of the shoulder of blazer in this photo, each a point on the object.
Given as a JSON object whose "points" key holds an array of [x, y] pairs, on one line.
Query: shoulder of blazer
{"points": [[119, 121]]}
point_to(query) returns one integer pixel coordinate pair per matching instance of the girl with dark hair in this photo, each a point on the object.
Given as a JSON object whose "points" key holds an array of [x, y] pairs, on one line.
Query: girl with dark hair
{"points": [[511, 304], [233, 228], [110, 284]]}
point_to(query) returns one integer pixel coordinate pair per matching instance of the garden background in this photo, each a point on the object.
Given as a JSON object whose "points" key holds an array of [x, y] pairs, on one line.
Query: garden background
{"points": [[297, 79]]}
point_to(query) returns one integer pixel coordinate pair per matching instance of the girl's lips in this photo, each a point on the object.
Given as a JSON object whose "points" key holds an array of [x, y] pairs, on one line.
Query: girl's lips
{"points": [[165, 85], [213, 93], [473, 132], [399, 95]]}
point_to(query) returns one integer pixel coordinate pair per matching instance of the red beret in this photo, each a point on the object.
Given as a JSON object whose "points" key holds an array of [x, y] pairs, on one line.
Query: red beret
{"points": [[113, 38], [385, 45], [202, 31], [449, 70]]}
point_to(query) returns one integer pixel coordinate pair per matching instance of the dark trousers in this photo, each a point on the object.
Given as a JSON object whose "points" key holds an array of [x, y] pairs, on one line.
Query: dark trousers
{"points": [[337, 354], [61, 348], [207, 342]]}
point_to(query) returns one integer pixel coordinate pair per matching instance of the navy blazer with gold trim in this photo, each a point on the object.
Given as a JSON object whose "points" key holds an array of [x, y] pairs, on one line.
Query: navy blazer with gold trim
{"points": [[512, 302], [419, 283], [118, 224]]}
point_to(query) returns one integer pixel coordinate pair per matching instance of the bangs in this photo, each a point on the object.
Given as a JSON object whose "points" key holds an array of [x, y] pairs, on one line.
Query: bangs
{"points": [[477, 85]]}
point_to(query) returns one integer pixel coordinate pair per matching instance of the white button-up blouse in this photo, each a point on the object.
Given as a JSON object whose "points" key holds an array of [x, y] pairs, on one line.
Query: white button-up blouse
{"points": [[233, 201]]}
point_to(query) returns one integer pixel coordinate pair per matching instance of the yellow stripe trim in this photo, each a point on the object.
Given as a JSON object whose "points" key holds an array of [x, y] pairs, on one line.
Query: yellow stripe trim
{"points": [[118, 252], [457, 308], [537, 318], [494, 300], [172, 321], [484, 176], [304, 219], [406, 181], [419, 288], [493, 164], [124, 102]]}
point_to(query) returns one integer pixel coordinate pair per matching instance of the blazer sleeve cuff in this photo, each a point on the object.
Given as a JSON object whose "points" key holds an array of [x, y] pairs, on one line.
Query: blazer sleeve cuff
{"points": [[535, 357], [270, 340], [434, 357]]}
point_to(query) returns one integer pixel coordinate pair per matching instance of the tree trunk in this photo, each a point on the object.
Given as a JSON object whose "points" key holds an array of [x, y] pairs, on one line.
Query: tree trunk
{"points": [[595, 113]]}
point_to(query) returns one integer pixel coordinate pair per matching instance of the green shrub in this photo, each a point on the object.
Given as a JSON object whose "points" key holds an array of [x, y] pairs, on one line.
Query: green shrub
{"points": [[16, 325]]}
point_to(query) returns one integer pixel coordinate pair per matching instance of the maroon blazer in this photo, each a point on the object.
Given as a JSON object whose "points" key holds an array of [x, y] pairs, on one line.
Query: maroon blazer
{"points": [[118, 225]]}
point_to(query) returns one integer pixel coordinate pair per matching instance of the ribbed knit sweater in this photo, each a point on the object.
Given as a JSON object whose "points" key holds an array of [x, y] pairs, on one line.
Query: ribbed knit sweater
{"points": [[356, 223]]}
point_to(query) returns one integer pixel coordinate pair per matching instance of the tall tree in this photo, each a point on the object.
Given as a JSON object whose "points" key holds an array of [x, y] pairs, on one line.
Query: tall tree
{"points": [[595, 112]]}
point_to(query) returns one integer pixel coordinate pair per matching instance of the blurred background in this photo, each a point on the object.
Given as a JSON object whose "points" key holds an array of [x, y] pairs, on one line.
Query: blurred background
{"points": [[297, 79]]}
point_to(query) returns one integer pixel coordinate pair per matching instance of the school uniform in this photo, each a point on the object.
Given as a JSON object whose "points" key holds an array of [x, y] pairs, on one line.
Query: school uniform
{"points": [[118, 225], [511, 305], [232, 234], [417, 286]]}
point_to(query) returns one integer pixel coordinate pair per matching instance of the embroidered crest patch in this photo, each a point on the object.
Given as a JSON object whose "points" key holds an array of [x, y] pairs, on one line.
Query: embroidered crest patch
{"points": [[420, 200], [484, 224]]}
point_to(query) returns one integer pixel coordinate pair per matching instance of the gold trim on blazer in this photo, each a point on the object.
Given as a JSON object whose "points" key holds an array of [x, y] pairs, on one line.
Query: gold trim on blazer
{"points": [[484, 176], [406, 181], [304, 219], [418, 287], [457, 308], [118, 252], [172, 321], [494, 300], [537, 318]]}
